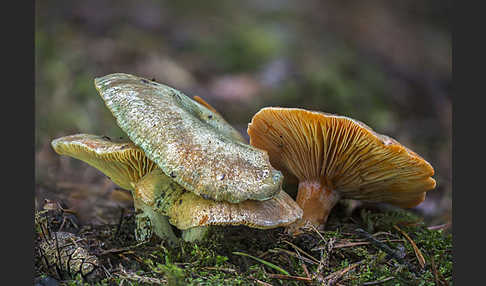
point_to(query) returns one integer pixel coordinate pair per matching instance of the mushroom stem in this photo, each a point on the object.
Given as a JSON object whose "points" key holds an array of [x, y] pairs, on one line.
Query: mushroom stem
{"points": [[148, 222], [317, 202], [195, 233]]}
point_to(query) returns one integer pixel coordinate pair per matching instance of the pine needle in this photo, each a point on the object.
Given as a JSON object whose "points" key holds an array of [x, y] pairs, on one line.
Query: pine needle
{"points": [[289, 277], [271, 265], [418, 253]]}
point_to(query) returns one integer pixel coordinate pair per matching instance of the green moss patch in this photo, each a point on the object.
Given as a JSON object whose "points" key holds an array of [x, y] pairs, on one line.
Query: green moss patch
{"points": [[245, 256]]}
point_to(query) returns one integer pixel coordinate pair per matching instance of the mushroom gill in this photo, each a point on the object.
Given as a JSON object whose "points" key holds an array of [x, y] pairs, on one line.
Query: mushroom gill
{"points": [[335, 156]]}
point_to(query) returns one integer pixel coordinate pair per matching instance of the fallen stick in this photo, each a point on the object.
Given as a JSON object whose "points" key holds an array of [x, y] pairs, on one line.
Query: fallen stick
{"points": [[393, 253], [290, 277]]}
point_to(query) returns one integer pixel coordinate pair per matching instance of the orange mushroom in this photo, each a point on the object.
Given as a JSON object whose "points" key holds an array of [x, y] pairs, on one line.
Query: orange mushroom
{"points": [[335, 157]]}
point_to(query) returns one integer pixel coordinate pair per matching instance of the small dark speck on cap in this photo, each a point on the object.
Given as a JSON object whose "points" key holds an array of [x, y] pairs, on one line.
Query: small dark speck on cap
{"points": [[204, 196], [172, 174], [144, 80]]}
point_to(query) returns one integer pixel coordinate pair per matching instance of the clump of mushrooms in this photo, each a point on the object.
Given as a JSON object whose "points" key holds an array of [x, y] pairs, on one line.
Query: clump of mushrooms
{"points": [[335, 157], [185, 165]]}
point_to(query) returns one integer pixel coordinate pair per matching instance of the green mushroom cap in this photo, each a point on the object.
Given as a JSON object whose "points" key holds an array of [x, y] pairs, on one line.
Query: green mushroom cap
{"points": [[191, 143]]}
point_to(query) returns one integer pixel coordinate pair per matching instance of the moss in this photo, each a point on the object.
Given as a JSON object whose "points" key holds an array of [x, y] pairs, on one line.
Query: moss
{"points": [[213, 262]]}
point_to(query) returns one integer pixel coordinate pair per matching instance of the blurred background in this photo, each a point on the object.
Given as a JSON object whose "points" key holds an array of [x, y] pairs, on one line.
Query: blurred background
{"points": [[386, 63]]}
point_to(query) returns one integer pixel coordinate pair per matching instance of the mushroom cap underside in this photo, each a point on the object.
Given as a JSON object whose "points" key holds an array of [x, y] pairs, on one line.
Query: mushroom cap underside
{"points": [[343, 154], [188, 141], [186, 210], [124, 163]]}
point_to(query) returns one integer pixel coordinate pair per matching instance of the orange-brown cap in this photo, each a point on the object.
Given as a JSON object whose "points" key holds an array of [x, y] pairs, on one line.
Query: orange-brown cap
{"points": [[343, 154]]}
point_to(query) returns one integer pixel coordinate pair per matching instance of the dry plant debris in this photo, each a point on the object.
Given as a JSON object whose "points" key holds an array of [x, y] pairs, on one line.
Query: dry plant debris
{"points": [[336, 256]]}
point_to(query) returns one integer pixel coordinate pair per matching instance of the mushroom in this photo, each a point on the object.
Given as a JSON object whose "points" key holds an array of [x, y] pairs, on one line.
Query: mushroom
{"points": [[159, 200], [159, 195], [189, 142], [335, 157]]}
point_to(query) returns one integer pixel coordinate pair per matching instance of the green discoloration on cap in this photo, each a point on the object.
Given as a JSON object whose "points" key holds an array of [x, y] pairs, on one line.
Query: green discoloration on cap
{"points": [[189, 142], [187, 210], [159, 200]]}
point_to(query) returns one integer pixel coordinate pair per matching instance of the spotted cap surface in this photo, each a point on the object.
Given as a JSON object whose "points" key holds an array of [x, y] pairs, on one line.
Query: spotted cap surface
{"points": [[186, 210], [190, 143]]}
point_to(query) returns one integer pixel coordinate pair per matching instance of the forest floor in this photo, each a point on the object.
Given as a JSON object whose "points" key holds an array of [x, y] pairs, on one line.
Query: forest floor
{"points": [[389, 66], [361, 245]]}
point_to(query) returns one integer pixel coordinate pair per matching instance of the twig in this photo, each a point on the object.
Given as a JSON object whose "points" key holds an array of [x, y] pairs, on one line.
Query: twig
{"points": [[230, 270], [306, 271], [108, 274], [74, 242], [123, 257], [325, 258], [44, 258], [307, 274], [324, 261], [298, 249], [144, 279], [333, 277], [260, 282], [317, 231], [434, 270], [351, 244], [134, 256], [442, 279], [293, 254], [379, 281], [437, 276], [62, 224], [418, 253], [378, 243], [381, 232], [290, 277], [115, 250], [384, 247]]}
